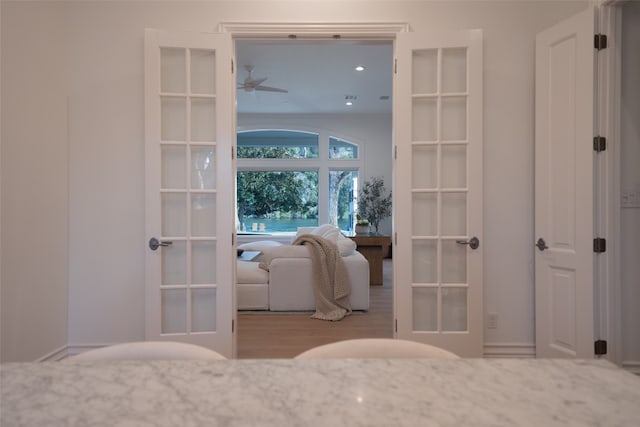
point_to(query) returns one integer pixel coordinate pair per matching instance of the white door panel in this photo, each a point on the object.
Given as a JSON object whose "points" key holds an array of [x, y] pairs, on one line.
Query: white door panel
{"points": [[438, 190], [189, 188], [564, 188]]}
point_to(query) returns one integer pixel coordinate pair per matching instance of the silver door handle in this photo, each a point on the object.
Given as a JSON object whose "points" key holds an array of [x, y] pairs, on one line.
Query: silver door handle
{"points": [[473, 242], [155, 243], [541, 244]]}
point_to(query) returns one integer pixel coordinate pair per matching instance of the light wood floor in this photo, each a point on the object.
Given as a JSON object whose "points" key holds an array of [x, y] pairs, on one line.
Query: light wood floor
{"points": [[277, 336]]}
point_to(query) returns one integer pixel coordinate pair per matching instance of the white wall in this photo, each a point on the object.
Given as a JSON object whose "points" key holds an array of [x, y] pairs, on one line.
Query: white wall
{"points": [[35, 196], [630, 182], [103, 43], [372, 132]]}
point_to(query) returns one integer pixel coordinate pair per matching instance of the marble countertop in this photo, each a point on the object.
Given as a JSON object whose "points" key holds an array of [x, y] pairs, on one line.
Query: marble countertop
{"points": [[400, 392]]}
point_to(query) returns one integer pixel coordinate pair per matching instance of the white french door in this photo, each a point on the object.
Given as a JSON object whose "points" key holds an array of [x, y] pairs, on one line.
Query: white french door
{"points": [[564, 186], [189, 189], [438, 190]]}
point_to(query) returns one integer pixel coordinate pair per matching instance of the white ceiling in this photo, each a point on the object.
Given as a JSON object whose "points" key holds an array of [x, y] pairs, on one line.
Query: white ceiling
{"points": [[317, 74]]}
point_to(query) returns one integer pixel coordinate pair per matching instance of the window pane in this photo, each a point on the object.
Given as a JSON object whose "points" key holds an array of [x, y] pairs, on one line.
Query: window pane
{"points": [[277, 144], [342, 192], [339, 149], [270, 201]]}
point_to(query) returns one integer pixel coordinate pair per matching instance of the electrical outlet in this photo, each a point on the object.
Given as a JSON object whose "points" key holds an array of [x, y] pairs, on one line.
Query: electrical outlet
{"points": [[492, 321]]}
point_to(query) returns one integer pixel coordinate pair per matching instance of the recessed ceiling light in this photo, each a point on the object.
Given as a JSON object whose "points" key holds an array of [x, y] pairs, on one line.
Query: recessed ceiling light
{"points": [[359, 68], [349, 103]]}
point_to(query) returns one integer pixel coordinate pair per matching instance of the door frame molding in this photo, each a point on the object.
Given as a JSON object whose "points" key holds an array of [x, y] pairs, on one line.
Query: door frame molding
{"points": [[317, 31], [360, 30], [608, 192]]}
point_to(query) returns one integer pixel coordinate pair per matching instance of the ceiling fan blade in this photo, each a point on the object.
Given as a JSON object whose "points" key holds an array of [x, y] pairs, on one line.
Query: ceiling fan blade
{"points": [[255, 82], [270, 89]]}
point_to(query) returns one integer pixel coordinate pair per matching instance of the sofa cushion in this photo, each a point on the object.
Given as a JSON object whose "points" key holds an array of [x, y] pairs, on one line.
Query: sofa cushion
{"points": [[249, 272], [333, 234], [259, 245], [327, 231], [345, 245]]}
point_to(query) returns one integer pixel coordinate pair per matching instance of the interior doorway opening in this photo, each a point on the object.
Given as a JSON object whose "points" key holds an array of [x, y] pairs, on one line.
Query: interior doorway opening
{"points": [[315, 86]]}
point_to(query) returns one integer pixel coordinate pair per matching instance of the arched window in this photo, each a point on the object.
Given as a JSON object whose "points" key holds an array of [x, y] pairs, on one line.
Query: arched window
{"points": [[288, 179]]}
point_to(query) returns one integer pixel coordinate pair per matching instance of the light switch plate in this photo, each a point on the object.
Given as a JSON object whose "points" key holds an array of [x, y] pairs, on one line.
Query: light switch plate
{"points": [[630, 199]]}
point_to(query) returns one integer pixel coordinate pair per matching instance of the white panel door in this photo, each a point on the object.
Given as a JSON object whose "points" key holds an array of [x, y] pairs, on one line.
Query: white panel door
{"points": [[189, 189], [438, 190], [564, 219]]}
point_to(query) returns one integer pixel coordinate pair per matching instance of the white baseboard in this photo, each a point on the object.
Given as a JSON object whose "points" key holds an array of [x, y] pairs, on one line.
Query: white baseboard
{"points": [[55, 355], [631, 366], [509, 350]]}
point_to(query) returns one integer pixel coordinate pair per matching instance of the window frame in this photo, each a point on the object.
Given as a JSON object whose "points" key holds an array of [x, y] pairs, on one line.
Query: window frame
{"points": [[322, 164]]}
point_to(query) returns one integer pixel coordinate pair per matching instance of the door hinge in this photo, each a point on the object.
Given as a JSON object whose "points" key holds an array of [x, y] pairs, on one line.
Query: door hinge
{"points": [[599, 143], [599, 245], [600, 347], [396, 325], [233, 153], [600, 41], [233, 325], [395, 66], [232, 66], [233, 238], [395, 238], [395, 152]]}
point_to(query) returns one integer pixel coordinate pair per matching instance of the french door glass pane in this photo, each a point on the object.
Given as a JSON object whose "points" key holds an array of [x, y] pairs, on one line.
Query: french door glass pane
{"points": [[454, 214], [172, 70], [174, 118], [425, 71], [425, 214], [203, 71], [203, 310], [454, 166], [454, 262], [174, 311], [173, 166], [424, 119], [424, 166], [425, 309], [454, 309], [174, 263], [203, 124], [203, 172], [454, 118], [174, 214], [203, 215], [454, 70], [425, 261], [203, 266]]}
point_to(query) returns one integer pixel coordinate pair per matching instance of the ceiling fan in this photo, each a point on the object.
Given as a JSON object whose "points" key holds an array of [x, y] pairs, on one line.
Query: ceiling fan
{"points": [[250, 84]]}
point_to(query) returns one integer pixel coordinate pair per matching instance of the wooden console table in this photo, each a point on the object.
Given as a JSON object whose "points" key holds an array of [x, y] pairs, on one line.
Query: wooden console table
{"points": [[374, 248]]}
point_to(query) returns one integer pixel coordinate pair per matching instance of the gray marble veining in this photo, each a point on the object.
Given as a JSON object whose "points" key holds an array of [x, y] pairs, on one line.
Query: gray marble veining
{"points": [[401, 392]]}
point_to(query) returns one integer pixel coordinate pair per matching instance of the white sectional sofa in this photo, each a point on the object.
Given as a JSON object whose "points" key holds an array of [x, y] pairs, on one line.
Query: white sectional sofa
{"points": [[287, 286]]}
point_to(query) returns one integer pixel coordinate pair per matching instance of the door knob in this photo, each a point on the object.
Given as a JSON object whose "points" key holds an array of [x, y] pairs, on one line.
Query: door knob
{"points": [[473, 242], [541, 244], [155, 243]]}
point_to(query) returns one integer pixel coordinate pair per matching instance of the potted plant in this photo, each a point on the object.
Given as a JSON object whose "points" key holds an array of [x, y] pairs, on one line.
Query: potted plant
{"points": [[374, 204], [362, 225]]}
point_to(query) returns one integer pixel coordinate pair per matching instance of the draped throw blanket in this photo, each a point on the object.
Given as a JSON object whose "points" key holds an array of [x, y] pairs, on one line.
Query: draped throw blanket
{"points": [[331, 285]]}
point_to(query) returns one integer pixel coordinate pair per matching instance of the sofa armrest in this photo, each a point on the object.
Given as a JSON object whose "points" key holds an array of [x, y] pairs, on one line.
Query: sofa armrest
{"points": [[285, 251]]}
